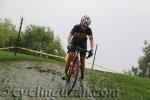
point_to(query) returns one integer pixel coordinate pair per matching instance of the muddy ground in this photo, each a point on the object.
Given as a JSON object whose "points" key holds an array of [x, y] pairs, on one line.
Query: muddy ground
{"points": [[26, 80]]}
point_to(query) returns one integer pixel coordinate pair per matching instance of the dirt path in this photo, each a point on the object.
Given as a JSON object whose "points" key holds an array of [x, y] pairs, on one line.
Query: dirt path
{"points": [[35, 81]]}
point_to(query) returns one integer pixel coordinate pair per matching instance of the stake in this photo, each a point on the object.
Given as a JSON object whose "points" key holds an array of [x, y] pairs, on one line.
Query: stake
{"points": [[94, 56], [17, 42]]}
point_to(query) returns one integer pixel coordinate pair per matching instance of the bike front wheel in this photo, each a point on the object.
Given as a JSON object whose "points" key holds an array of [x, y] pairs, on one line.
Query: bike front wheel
{"points": [[72, 76]]}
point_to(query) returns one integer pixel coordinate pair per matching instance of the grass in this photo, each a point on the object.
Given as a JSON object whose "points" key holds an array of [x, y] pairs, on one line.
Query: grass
{"points": [[9, 56], [117, 86], [129, 87]]}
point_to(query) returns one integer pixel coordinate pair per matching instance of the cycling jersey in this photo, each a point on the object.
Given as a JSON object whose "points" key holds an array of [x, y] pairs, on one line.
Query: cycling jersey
{"points": [[78, 29], [80, 37]]}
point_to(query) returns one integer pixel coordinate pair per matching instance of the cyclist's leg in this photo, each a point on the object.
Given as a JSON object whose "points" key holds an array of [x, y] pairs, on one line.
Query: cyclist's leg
{"points": [[70, 56], [82, 66], [83, 45]]}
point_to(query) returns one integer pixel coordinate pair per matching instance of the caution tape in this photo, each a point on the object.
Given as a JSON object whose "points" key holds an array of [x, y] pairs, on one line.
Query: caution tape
{"points": [[60, 57], [42, 53], [34, 51], [106, 69]]}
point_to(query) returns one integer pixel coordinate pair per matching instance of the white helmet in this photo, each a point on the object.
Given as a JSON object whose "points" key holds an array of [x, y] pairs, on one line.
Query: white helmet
{"points": [[85, 20]]}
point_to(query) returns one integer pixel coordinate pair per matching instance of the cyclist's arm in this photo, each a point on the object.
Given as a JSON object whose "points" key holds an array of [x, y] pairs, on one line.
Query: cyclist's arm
{"points": [[69, 38], [91, 43], [74, 29]]}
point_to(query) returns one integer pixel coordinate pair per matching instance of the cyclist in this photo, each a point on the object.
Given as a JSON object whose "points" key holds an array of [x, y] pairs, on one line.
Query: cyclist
{"points": [[78, 38]]}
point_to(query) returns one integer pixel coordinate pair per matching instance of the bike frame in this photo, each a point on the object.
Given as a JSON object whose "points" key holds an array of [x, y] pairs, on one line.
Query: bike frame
{"points": [[76, 57], [74, 67]]}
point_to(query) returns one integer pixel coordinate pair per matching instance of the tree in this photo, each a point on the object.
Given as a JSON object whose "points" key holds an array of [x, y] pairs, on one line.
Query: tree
{"points": [[35, 37], [8, 33], [58, 47], [134, 71], [42, 39], [127, 72], [144, 61]]}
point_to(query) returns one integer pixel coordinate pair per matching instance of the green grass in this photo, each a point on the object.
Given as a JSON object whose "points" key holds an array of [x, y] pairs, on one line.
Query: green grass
{"points": [[9, 56], [130, 88]]}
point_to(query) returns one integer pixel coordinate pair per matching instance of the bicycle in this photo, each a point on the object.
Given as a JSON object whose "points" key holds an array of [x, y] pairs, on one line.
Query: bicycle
{"points": [[73, 70]]}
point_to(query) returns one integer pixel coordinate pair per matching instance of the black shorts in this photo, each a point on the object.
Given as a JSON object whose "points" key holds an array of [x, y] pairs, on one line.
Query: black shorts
{"points": [[82, 54]]}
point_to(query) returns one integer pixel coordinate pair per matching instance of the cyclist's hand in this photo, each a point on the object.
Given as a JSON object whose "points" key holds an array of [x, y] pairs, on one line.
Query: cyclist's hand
{"points": [[90, 54], [69, 47]]}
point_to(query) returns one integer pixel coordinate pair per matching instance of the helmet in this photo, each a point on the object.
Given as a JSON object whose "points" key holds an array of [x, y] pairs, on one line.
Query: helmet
{"points": [[85, 20]]}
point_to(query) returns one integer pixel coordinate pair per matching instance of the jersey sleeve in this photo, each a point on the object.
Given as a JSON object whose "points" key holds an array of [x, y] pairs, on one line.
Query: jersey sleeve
{"points": [[74, 30], [90, 34]]}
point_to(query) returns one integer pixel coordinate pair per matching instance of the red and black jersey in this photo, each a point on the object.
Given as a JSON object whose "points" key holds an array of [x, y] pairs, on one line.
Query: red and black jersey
{"points": [[80, 37], [82, 33]]}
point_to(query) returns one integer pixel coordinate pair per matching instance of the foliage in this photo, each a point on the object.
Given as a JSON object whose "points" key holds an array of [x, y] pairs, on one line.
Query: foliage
{"points": [[8, 33], [42, 39], [143, 68], [34, 37], [144, 61]]}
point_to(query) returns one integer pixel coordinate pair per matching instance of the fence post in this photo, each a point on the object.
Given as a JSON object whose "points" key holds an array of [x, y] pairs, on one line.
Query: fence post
{"points": [[94, 56], [17, 41]]}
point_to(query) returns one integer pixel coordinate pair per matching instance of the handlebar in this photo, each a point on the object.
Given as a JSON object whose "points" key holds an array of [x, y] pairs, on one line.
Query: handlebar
{"points": [[77, 49], [80, 49]]}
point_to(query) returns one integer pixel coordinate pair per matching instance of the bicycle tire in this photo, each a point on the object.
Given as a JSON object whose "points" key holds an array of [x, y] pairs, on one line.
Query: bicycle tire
{"points": [[69, 73], [76, 76]]}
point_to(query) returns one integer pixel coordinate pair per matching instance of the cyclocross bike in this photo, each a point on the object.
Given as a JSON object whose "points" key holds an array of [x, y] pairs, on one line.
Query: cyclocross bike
{"points": [[73, 70]]}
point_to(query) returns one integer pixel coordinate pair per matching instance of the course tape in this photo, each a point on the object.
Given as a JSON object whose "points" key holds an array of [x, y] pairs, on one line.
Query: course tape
{"points": [[60, 57], [42, 53], [34, 52], [104, 68]]}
